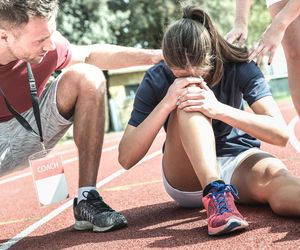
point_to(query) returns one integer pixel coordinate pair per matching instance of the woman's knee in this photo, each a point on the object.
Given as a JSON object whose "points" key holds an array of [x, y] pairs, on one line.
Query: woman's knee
{"points": [[186, 117]]}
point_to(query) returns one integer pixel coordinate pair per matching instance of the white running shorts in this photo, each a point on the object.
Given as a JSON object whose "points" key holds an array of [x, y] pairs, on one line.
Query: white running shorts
{"points": [[16, 143], [227, 166]]}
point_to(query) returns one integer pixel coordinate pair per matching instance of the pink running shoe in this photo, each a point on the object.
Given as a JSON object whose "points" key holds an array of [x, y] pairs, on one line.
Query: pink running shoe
{"points": [[223, 216]]}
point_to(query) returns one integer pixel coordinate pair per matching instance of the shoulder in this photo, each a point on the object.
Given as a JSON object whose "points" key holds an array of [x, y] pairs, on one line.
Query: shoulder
{"points": [[156, 82], [62, 50], [242, 73], [243, 69], [160, 74]]}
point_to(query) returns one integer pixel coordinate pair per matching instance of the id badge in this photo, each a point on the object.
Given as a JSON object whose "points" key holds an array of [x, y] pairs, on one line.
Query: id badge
{"points": [[49, 177]]}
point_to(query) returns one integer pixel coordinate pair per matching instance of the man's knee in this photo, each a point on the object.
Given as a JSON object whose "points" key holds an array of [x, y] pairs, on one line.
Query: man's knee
{"points": [[86, 77]]}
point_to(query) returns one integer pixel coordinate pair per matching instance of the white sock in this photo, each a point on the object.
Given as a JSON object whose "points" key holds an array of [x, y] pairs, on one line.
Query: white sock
{"points": [[82, 190]]}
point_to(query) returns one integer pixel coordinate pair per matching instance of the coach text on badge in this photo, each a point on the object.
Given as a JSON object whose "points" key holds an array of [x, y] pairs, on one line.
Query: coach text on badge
{"points": [[49, 177]]}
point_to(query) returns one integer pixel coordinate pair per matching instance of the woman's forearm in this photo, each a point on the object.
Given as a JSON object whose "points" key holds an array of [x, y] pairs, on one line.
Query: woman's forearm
{"points": [[262, 127], [242, 12], [136, 141], [287, 15]]}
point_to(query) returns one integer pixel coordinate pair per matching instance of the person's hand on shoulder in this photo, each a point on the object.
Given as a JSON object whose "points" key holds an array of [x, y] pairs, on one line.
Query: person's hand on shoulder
{"points": [[238, 35], [267, 44]]}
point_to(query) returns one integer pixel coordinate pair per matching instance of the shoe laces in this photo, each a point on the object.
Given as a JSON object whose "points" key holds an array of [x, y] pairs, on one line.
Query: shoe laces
{"points": [[219, 195], [98, 205]]}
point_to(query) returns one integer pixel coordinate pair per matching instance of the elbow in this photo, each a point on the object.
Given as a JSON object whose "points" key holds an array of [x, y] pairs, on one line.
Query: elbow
{"points": [[125, 164], [282, 139], [125, 156], [125, 161]]}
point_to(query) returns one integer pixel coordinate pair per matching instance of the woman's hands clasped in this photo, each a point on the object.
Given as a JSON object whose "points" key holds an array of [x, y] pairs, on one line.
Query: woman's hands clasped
{"points": [[200, 98], [177, 90]]}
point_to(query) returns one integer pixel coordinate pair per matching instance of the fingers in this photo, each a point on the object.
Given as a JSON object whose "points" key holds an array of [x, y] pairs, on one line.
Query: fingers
{"points": [[241, 40], [272, 53], [255, 51], [237, 37], [186, 81], [231, 38], [260, 51], [204, 86]]}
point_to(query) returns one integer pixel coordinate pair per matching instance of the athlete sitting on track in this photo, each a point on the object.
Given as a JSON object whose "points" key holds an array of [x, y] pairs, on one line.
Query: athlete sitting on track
{"points": [[212, 144]]}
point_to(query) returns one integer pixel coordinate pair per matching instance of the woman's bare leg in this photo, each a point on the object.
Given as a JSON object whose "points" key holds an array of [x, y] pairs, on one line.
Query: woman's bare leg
{"points": [[262, 178], [190, 164], [189, 160]]}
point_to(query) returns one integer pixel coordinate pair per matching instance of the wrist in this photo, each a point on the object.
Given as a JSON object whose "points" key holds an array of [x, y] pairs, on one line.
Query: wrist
{"points": [[221, 113], [279, 25], [241, 22], [165, 107]]}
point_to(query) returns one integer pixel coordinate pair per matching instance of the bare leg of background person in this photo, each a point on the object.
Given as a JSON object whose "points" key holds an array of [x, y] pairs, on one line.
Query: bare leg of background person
{"points": [[291, 46]]}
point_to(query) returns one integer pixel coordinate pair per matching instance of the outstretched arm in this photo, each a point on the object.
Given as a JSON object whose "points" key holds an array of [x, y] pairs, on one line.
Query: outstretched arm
{"points": [[239, 33], [107, 56], [273, 35]]}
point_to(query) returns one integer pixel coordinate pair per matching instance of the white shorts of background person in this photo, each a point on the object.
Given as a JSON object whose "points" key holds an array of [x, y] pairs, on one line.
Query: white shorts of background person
{"points": [[270, 2]]}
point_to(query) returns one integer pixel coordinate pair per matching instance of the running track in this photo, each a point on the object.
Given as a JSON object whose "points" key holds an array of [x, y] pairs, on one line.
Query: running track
{"points": [[155, 222]]}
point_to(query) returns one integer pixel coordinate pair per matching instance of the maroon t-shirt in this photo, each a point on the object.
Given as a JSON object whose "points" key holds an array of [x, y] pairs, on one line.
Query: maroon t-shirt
{"points": [[14, 81]]}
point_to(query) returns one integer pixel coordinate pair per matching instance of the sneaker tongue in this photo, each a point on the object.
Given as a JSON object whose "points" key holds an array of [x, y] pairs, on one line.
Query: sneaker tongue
{"points": [[93, 194]]}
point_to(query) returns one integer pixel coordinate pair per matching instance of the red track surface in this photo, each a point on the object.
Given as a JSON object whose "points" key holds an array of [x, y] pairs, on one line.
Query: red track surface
{"points": [[155, 221]]}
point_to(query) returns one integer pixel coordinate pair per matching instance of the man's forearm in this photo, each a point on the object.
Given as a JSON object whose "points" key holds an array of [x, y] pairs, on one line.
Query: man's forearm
{"points": [[108, 56]]}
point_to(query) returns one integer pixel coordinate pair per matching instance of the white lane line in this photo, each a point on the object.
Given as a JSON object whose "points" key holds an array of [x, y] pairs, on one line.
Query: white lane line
{"points": [[15, 178], [20, 176], [64, 162], [293, 138], [6, 245]]}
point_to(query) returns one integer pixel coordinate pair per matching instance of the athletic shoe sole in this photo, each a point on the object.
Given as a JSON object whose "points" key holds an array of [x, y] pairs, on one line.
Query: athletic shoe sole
{"points": [[86, 225], [231, 226]]}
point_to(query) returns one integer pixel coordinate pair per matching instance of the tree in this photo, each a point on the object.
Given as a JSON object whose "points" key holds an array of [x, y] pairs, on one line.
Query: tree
{"points": [[148, 19], [146, 22], [141, 23], [259, 19], [89, 21]]}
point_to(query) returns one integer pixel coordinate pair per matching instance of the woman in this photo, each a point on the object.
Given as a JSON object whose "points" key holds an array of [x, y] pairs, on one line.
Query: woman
{"points": [[211, 150]]}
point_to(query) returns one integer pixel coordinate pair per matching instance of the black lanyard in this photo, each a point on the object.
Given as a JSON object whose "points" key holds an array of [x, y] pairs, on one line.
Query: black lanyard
{"points": [[35, 106]]}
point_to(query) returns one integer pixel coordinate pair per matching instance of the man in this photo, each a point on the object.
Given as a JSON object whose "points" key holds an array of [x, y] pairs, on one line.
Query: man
{"points": [[28, 35]]}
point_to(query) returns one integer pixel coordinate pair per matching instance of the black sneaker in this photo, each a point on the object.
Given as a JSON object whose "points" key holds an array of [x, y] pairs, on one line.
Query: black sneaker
{"points": [[93, 213]]}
